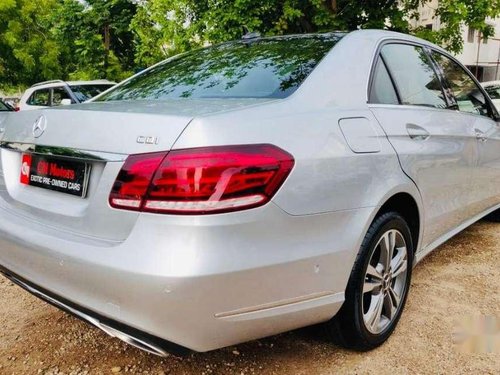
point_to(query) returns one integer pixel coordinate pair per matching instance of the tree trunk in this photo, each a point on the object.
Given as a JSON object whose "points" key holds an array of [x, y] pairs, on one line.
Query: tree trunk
{"points": [[306, 25], [333, 5], [107, 43]]}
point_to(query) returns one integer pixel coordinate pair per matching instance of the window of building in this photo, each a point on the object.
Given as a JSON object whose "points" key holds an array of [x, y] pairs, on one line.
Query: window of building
{"points": [[471, 35]]}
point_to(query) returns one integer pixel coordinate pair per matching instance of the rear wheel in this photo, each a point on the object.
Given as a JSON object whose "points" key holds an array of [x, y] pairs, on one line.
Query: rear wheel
{"points": [[378, 286]]}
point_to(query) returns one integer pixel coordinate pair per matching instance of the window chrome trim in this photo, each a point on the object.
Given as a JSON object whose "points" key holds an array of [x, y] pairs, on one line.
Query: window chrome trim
{"points": [[394, 40], [412, 107], [63, 152], [428, 47], [492, 110], [431, 62]]}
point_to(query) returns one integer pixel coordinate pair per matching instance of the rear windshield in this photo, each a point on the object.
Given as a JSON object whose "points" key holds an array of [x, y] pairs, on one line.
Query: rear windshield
{"points": [[85, 92], [260, 68]]}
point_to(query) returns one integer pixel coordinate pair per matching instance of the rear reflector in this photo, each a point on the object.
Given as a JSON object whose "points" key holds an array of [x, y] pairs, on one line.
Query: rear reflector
{"points": [[201, 180]]}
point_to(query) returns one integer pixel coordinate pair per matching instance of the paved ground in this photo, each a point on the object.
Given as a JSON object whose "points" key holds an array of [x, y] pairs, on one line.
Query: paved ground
{"points": [[459, 281]]}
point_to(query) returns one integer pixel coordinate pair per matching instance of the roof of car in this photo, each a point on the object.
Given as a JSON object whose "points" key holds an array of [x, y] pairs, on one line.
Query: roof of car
{"points": [[374, 35], [7, 105], [380, 35], [490, 83], [95, 82], [55, 83]]}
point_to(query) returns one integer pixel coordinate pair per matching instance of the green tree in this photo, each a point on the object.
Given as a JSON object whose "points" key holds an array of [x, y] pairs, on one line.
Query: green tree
{"points": [[97, 37], [65, 39], [28, 50], [166, 27], [86, 39], [456, 13]]}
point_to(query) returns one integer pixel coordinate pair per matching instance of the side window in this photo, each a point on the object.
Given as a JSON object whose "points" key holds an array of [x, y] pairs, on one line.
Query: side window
{"points": [[382, 90], [414, 75], [469, 97], [39, 97], [58, 94]]}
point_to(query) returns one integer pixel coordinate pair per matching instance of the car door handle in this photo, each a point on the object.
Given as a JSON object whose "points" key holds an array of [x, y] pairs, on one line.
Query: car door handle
{"points": [[480, 135], [416, 132]]}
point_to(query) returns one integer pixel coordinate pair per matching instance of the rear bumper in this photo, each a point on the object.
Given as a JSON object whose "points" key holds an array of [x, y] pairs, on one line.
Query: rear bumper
{"points": [[198, 282], [132, 336]]}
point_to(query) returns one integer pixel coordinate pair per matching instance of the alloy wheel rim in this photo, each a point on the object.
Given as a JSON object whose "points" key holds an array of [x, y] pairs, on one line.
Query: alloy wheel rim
{"points": [[384, 283]]}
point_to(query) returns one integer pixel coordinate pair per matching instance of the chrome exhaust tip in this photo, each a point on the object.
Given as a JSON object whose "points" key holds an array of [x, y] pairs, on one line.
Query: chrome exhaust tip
{"points": [[139, 342]]}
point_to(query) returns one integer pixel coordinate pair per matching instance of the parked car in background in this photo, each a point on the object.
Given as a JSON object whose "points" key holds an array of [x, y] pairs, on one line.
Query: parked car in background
{"points": [[11, 102], [250, 188], [5, 107], [55, 93], [493, 90]]}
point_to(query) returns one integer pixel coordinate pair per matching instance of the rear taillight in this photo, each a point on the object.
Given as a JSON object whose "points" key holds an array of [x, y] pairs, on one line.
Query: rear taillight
{"points": [[201, 180]]}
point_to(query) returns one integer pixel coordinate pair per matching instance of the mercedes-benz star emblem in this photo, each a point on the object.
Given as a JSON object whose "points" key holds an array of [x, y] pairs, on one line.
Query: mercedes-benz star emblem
{"points": [[39, 126]]}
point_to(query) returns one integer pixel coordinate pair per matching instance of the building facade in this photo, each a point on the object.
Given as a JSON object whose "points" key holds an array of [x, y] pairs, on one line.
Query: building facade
{"points": [[481, 56]]}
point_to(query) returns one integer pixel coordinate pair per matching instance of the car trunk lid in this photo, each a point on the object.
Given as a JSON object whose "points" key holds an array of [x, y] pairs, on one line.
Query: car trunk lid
{"points": [[99, 136]]}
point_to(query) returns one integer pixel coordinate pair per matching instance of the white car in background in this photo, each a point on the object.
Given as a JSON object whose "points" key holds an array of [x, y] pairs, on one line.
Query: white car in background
{"points": [[55, 93], [493, 90], [5, 109]]}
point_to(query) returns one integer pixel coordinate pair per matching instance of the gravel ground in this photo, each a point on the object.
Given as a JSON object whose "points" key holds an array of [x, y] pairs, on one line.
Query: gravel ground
{"points": [[457, 282]]}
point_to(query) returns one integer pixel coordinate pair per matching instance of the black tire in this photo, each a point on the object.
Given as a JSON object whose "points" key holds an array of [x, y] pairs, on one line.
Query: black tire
{"points": [[348, 327]]}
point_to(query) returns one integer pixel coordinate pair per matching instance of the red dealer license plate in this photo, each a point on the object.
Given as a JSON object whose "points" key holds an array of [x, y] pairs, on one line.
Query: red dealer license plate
{"points": [[62, 175]]}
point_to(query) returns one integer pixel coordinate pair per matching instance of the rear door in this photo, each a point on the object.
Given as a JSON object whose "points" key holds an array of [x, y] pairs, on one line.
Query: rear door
{"points": [[435, 146], [471, 101]]}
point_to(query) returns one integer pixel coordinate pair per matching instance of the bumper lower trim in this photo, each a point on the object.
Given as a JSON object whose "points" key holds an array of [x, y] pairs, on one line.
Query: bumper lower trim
{"points": [[132, 336]]}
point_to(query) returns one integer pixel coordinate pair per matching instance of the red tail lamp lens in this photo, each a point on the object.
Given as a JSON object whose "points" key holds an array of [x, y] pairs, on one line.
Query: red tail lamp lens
{"points": [[201, 180]]}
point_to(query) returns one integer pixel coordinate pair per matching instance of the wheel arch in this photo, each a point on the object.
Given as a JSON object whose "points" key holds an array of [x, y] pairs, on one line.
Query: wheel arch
{"points": [[407, 206]]}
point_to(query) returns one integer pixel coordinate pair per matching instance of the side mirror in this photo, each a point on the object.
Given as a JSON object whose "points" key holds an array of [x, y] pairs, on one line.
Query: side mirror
{"points": [[66, 102]]}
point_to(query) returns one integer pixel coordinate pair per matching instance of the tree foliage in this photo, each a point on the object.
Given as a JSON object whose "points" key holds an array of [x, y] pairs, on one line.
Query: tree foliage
{"points": [[27, 48], [456, 13], [65, 39], [178, 25], [96, 37], [84, 39]]}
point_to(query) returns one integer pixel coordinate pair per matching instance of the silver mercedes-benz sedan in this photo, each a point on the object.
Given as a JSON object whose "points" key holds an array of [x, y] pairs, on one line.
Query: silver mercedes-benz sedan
{"points": [[250, 188]]}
